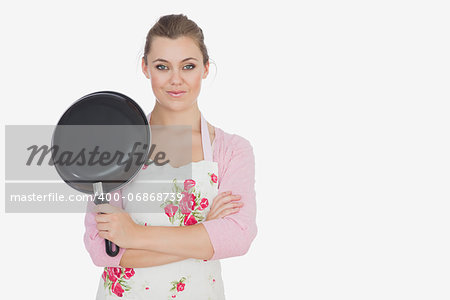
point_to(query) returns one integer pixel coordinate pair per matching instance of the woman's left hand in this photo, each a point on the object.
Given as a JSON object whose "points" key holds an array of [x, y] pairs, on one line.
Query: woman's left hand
{"points": [[116, 225]]}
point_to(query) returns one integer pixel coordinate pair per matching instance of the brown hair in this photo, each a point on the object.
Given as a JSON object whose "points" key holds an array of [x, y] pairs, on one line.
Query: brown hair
{"points": [[175, 26]]}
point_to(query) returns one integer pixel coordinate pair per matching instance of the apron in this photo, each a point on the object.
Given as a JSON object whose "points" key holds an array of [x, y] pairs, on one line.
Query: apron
{"points": [[192, 279]]}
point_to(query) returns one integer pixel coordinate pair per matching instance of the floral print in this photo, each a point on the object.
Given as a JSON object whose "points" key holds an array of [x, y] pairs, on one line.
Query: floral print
{"points": [[170, 210], [203, 204], [188, 184], [187, 203], [213, 178], [178, 286], [212, 280], [115, 280], [190, 209]]}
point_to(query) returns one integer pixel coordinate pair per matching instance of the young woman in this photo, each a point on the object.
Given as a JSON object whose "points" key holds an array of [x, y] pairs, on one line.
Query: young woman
{"points": [[177, 256]]}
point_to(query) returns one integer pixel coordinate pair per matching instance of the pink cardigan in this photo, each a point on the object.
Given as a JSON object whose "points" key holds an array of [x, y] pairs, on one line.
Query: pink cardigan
{"points": [[231, 235]]}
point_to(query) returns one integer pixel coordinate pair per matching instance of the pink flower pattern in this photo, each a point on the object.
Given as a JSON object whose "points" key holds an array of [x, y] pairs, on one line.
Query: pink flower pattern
{"points": [[203, 204], [188, 184], [178, 286], [170, 210], [213, 178], [115, 279], [128, 273], [188, 210], [117, 289], [187, 203], [189, 220]]}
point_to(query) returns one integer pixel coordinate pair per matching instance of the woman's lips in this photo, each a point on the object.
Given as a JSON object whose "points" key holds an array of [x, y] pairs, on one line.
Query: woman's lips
{"points": [[176, 94]]}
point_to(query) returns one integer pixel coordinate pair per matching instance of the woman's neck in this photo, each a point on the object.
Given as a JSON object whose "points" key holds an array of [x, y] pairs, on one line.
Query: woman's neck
{"points": [[163, 116]]}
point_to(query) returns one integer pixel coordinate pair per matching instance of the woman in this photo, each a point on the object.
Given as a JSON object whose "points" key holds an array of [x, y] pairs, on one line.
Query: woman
{"points": [[178, 256]]}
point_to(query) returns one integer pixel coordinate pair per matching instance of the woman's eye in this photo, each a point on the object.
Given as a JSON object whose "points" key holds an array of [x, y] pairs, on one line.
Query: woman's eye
{"points": [[189, 67], [161, 67]]}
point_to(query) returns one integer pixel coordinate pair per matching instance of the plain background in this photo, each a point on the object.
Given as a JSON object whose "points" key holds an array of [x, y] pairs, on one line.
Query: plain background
{"points": [[344, 102]]}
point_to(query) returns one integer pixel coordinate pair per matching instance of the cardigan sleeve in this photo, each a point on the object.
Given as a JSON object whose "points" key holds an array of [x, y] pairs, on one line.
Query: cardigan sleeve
{"points": [[232, 235], [94, 244]]}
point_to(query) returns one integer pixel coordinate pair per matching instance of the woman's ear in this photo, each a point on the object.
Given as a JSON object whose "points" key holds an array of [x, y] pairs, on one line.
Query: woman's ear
{"points": [[206, 72], [144, 69]]}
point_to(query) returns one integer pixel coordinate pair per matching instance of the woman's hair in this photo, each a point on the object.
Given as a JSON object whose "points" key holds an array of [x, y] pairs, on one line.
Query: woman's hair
{"points": [[175, 26]]}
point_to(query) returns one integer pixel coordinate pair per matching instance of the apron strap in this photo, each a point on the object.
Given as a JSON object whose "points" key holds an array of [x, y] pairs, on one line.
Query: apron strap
{"points": [[206, 141]]}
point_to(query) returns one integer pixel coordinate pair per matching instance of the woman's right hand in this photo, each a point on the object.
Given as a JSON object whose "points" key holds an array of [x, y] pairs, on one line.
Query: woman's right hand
{"points": [[224, 204]]}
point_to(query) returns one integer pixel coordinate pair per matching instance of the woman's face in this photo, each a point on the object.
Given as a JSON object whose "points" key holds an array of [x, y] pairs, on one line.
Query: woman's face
{"points": [[176, 70]]}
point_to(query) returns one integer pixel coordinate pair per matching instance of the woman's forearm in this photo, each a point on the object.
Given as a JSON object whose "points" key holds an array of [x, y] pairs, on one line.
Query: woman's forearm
{"points": [[183, 241], [138, 258]]}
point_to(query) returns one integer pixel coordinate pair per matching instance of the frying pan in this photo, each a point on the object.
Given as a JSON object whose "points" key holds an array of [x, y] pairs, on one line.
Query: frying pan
{"points": [[98, 123]]}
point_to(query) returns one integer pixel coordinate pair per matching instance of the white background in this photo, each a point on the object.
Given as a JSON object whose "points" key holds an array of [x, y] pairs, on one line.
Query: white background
{"points": [[344, 102]]}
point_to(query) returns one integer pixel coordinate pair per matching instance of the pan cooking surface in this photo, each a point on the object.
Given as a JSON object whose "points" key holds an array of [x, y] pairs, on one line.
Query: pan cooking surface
{"points": [[104, 137]]}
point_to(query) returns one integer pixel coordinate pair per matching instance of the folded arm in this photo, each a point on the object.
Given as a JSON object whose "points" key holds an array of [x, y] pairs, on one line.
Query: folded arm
{"points": [[220, 238], [137, 258], [183, 241]]}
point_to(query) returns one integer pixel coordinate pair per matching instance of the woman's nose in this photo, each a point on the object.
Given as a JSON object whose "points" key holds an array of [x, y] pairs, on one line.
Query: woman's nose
{"points": [[176, 78]]}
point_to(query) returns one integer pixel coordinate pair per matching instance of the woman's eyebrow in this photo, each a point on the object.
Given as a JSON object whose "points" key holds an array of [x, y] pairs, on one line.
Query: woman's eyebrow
{"points": [[163, 60]]}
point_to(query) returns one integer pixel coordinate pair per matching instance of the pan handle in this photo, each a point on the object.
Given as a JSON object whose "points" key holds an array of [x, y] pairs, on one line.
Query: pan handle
{"points": [[98, 200], [109, 248]]}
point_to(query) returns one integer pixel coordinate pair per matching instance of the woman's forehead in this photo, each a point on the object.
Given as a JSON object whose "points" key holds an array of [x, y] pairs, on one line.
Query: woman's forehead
{"points": [[174, 50]]}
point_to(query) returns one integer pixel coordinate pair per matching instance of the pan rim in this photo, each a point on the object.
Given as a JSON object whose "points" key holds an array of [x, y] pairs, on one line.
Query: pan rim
{"points": [[143, 116]]}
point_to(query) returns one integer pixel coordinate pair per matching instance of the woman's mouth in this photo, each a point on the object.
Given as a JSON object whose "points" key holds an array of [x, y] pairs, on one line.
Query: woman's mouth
{"points": [[176, 94]]}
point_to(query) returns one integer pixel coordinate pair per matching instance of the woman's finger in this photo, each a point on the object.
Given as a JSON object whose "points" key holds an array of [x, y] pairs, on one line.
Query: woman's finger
{"points": [[104, 234], [220, 196], [224, 204], [101, 218], [102, 226], [226, 199], [228, 206], [221, 210], [228, 212], [107, 208]]}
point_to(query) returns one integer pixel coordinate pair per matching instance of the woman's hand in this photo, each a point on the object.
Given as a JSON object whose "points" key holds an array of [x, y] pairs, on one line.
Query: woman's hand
{"points": [[116, 225], [224, 204]]}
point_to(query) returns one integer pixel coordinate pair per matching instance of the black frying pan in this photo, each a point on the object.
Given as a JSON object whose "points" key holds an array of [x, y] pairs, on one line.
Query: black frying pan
{"points": [[98, 123]]}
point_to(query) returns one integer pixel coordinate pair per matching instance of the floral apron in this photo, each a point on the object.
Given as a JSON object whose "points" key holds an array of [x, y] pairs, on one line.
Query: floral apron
{"points": [[187, 279]]}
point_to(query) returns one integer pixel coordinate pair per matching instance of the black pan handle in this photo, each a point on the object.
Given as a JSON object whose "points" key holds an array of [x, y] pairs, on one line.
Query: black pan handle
{"points": [[109, 248], [108, 244]]}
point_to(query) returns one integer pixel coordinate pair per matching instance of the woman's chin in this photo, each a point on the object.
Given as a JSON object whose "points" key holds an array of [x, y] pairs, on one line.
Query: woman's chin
{"points": [[168, 100], [176, 104]]}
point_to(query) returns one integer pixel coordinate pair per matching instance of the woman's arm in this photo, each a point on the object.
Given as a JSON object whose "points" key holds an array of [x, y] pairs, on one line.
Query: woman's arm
{"points": [[184, 241], [224, 204], [137, 258]]}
